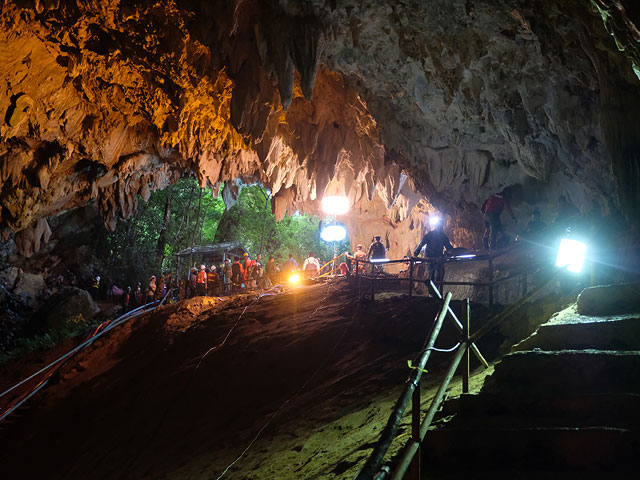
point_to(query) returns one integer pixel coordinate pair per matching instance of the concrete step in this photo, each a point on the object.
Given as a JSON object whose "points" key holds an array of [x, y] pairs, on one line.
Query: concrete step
{"points": [[557, 449], [570, 331], [566, 372], [613, 410]]}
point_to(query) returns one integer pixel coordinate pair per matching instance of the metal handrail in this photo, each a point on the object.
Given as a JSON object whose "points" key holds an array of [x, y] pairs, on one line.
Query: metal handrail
{"points": [[418, 260], [375, 460], [416, 440]]}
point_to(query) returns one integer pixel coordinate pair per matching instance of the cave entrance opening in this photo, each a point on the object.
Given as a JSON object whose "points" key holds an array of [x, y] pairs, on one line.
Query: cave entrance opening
{"points": [[185, 216]]}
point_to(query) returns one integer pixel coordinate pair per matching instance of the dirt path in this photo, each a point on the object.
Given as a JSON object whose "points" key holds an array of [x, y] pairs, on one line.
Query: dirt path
{"points": [[305, 379]]}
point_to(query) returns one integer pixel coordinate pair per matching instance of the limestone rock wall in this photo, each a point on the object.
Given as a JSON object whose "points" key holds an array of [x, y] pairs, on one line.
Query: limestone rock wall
{"points": [[406, 107]]}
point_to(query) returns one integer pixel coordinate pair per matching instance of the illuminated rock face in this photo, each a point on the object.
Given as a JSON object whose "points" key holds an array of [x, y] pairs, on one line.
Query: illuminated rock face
{"points": [[402, 106]]}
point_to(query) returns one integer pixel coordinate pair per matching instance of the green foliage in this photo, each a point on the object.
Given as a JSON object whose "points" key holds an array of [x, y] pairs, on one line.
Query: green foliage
{"points": [[72, 328], [131, 254], [251, 222]]}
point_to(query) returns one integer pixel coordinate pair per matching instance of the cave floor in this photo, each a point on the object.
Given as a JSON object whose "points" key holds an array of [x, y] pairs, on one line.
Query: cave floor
{"points": [[303, 381]]}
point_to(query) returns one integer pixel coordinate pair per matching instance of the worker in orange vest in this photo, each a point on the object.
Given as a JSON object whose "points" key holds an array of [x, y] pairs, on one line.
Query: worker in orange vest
{"points": [[201, 281]]}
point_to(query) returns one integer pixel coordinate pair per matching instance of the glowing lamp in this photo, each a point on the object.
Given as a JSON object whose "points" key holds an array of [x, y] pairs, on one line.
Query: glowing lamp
{"points": [[467, 255], [294, 279], [571, 255], [333, 233], [434, 221], [379, 260], [335, 205]]}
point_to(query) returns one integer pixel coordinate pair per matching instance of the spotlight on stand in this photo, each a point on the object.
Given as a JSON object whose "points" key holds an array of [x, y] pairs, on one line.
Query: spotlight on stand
{"points": [[335, 205], [434, 221], [571, 255], [333, 233]]}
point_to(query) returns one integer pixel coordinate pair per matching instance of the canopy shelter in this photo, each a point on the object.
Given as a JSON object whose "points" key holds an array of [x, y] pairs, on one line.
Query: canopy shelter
{"points": [[209, 254]]}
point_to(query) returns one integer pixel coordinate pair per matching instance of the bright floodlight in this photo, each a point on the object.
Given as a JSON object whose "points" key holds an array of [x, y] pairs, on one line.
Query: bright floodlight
{"points": [[434, 221], [333, 233], [571, 254], [335, 205], [294, 279], [379, 260]]}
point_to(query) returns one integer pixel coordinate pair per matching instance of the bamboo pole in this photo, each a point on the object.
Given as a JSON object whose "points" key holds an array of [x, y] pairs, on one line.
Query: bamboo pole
{"points": [[374, 462]]}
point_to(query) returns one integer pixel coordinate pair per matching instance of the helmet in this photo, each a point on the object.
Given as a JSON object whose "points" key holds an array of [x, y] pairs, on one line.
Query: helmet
{"points": [[98, 278], [245, 254], [202, 267]]}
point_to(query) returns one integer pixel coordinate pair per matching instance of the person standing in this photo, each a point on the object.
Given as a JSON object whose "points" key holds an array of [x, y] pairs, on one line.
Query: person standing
{"points": [[258, 271], [226, 276], [151, 290], [359, 256], [212, 281], [237, 274], [201, 282], [290, 265], [137, 295], [247, 270], [491, 209], [272, 271], [126, 300], [436, 242], [376, 249], [311, 265], [95, 287]]}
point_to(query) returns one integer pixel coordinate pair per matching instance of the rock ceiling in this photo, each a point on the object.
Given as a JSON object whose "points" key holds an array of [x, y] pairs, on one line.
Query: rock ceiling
{"points": [[405, 106]]}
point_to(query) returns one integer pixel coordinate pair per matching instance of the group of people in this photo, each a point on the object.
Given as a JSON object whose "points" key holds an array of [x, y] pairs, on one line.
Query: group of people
{"points": [[155, 291], [240, 273]]}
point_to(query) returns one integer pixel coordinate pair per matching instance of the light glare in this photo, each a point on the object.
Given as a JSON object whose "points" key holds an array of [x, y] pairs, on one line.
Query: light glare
{"points": [[571, 254], [335, 205], [333, 233], [434, 221], [294, 279], [379, 260]]}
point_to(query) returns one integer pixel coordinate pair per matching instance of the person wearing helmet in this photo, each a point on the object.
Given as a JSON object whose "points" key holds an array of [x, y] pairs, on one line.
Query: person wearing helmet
{"points": [[201, 281], [95, 287], [435, 241], [212, 281]]}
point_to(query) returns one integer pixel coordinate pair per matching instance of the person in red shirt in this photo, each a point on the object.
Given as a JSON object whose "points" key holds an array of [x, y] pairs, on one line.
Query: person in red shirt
{"points": [[491, 209]]}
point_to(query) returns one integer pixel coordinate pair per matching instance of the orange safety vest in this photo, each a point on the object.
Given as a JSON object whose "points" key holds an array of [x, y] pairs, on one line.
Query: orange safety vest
{"points": [[201, 276]]}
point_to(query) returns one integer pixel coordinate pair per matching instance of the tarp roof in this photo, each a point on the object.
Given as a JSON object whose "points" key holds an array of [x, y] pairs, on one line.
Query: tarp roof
{"points": [[216, 249]]}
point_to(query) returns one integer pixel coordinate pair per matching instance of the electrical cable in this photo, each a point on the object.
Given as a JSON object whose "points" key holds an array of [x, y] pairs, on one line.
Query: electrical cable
{"points": [[58, 363], [295, 395], [215, 347]]}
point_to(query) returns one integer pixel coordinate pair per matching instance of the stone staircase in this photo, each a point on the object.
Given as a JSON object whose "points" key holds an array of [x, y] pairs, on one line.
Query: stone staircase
{"points": [[564, 404]]}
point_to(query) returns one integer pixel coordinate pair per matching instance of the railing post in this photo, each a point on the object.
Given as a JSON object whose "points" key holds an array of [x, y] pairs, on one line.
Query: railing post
{"points": [[373, 283], [465, 360], [415, 429], [411, 277], [490, 281], [415, 412]]}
